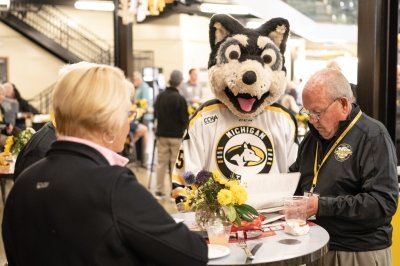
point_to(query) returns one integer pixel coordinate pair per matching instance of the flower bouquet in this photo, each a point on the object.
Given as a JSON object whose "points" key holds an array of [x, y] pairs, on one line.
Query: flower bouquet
{"points": [[12, 147], [210, 192], [14, 144]]}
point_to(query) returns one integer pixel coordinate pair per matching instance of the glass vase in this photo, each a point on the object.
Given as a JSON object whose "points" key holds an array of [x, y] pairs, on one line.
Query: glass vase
{"points": [[203, 216]]}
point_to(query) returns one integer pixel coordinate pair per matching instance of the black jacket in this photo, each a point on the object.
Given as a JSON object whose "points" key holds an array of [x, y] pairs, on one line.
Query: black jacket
{"points": [[35, 149], [171, 112], [357, 184], [73, 208]]}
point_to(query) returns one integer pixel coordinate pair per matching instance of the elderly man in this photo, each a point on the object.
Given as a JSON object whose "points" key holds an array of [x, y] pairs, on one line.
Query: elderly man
{"points": [[349, 160]]}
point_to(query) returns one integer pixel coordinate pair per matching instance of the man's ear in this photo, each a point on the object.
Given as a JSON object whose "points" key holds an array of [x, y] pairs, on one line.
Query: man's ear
{"points": [[221, 26], [277, 29], [346, 103]]}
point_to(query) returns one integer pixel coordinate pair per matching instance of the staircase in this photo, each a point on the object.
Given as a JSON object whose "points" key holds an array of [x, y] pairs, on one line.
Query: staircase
{"points": [[50, 28]]}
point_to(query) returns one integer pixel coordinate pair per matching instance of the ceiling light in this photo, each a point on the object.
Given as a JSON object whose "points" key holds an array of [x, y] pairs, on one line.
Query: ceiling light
{"points": [[95, 5], [221, 8]]}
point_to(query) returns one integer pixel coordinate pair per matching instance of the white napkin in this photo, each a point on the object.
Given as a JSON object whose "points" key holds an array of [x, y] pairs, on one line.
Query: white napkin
{"points": [[294, 228]]}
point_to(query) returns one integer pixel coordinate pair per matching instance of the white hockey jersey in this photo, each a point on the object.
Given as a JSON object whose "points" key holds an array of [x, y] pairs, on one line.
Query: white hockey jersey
{"points": [[218, 140]]}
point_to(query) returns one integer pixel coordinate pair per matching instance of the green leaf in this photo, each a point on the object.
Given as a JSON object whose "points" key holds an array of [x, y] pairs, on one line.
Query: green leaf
{"points": [[231, 213], [237, 220], [244, 213], [250, 209]]}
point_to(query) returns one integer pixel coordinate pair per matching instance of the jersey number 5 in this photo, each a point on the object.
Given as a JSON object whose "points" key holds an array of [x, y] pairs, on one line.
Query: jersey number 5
{"points": [[179, 160]]}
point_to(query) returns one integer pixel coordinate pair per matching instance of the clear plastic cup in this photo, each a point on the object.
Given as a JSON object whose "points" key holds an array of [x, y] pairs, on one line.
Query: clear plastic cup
{"points": [[295, 210], [218, 231]]}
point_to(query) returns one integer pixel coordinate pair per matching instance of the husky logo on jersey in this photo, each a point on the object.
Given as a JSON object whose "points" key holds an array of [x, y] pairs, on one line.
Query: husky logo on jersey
{"points": [[343, 152], [244, 155], [244, 150]]}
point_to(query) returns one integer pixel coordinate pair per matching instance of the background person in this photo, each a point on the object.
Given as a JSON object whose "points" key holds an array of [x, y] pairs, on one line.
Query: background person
{"points": [[10, 105], [140, 127], [6, 128], [349, 159], [25, 111], [171, 113], [80, 205], [192, 90], [144, 92]]}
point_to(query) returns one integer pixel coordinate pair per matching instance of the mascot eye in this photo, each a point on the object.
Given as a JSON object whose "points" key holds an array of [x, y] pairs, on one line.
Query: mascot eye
{"points": [[232, 52], [269, 57], [233, 55]]}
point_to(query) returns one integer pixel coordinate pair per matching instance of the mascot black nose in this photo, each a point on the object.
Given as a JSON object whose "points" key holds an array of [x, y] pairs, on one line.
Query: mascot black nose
{"points": [[249, 77]]}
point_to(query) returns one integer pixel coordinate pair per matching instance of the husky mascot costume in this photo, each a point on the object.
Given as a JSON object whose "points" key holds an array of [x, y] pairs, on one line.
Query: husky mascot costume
{"points": [[243, 132]]}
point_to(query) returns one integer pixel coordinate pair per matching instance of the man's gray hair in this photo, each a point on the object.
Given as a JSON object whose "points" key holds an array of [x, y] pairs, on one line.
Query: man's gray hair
{"points": [[336, 83]]}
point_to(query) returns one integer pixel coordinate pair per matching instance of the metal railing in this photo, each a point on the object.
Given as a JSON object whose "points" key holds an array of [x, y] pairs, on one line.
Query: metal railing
{"points": [[42, 101], [54, 24]]}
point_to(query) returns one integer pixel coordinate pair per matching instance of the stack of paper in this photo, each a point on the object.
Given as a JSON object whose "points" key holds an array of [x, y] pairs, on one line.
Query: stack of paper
{"points": [[268, 190]]}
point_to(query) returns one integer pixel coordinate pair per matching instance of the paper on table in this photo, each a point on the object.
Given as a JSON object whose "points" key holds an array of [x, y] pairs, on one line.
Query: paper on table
{"points": [[272, 217], [268, 190]]}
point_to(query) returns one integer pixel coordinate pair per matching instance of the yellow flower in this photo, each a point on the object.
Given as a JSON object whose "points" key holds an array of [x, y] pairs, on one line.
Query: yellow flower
{"points": [[213, 192], [8, 145], [239, 194], [142, 103], [232, 183], [219, 178], [224, 197], [190, 110]]}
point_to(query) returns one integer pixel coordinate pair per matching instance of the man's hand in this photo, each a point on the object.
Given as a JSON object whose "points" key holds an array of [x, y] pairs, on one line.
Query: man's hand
{"points": [[312, 206]]}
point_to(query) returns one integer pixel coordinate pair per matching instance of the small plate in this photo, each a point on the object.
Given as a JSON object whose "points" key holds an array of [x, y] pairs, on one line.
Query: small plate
{"points": [[217, 251], [178, 220], [253, 234]]}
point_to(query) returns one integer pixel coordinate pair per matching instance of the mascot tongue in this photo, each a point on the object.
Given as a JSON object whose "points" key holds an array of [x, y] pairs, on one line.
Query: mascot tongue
{"points": [[246, 104]]}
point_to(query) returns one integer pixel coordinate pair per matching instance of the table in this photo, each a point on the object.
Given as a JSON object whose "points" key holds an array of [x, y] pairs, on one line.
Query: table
{"points": [[280, 249], [6, 174], [3, 180]]}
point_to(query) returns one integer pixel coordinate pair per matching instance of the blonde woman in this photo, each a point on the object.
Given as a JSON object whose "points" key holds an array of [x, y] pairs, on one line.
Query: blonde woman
{"points": [[80, 205]]}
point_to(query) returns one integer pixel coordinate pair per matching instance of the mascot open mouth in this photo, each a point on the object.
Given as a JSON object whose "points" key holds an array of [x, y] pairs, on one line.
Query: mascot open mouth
{"points": [[244, 102]]}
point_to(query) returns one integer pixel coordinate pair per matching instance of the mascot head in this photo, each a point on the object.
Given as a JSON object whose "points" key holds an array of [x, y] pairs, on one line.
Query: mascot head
{"points": [[246, 66]]}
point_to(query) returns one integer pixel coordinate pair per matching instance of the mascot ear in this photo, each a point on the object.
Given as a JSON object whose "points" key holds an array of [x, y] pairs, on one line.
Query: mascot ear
{"points": [[277, 29], [222, 25]]}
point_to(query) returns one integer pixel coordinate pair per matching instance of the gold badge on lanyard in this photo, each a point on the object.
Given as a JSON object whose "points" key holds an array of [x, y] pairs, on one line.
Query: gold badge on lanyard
{"points": [[343, 152]]}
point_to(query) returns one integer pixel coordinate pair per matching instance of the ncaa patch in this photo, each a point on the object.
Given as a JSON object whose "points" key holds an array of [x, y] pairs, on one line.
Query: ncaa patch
{"points": [[244, 150], [343, 152]]}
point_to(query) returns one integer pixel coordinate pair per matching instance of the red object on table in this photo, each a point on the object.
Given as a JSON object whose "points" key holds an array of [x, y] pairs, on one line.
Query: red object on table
{"points": [[245, 226]]}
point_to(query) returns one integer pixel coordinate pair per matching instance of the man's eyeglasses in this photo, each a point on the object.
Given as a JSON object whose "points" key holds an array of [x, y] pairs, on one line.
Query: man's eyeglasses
{"points": [[317, 115], [132, 115]]}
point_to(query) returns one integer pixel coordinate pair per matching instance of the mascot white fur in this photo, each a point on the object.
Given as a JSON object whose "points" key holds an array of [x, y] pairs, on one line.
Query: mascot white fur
{"points": [[243, 132]]}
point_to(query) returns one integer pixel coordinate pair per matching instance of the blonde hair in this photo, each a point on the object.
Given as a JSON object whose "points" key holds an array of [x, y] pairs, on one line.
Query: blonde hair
{"points": [[90, 98]]}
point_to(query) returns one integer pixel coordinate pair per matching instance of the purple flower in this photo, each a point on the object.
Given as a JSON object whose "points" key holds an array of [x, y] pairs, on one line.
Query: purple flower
{"points": [[202, 177], [189, 177]]}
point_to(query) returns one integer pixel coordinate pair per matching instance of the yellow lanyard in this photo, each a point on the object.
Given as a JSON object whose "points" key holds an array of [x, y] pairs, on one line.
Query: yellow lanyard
{"points": [[316, 167]]}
